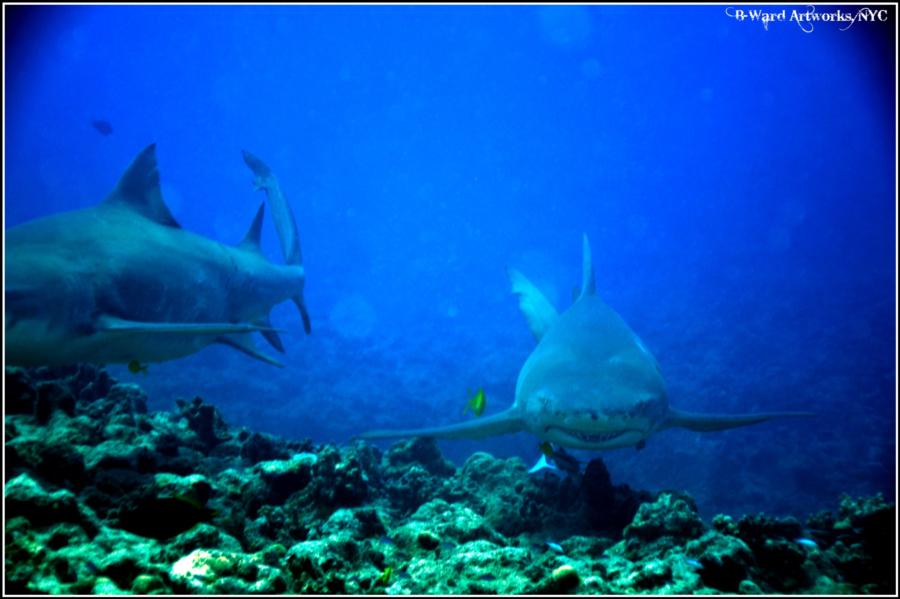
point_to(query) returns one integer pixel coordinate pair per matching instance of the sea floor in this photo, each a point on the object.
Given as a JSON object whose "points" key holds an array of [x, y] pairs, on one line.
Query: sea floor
{"points": [[104, 497]]}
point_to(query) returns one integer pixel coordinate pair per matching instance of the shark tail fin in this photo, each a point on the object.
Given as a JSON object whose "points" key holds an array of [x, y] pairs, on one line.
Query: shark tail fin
{"points": [[499, 424], [588, 284], [706, 423], [538, 311], [285, 223]]}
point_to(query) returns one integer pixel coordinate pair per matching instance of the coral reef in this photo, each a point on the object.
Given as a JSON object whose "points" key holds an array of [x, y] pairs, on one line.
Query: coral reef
{"points": [[105, 497]]}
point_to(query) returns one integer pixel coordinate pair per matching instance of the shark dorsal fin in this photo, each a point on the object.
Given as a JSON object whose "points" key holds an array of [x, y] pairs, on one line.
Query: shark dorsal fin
{"points": [[588, 286], [138, 189], [538, 311], [252, 238]]}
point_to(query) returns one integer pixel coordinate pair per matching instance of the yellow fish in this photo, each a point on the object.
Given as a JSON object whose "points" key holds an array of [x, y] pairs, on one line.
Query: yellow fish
{"points": [[476, 404], [385, 577], [546, 449], [135, 367]]}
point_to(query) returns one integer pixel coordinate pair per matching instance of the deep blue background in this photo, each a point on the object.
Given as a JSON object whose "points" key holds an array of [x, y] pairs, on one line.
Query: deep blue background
{"points": [[737, 184]]}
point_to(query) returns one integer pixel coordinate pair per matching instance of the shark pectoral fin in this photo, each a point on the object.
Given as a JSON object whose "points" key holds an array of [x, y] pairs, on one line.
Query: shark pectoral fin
{"points": [[539, 313], [111, 324], [503, 423], [706, 423], [244, 342]]}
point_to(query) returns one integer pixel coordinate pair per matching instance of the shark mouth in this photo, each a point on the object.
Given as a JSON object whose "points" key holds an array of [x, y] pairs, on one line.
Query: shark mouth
{"points": [[587, 437]]}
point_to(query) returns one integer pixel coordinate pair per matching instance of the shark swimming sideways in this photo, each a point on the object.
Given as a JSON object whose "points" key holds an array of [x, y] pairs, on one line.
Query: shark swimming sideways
{"points": [[121, 281], [590, 383]]}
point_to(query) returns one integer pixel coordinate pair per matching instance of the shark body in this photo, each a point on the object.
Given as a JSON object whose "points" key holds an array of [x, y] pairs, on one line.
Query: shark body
{"points": [[122, 281], [590, 383]]}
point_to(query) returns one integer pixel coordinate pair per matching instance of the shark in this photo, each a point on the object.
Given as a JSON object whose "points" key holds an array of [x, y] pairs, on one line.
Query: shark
{"points": [[590, 383], [122, 281]]}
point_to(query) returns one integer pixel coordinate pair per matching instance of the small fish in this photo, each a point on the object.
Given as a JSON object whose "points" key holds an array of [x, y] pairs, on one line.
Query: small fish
{"points": [[555, 547], [476, 404], [546, 448], [555, 459], [448, 546], [694, 563], [135, 367], [103, 127], [542, 464], [386, 540], [806, 542], [487, 578], [385, 577]]}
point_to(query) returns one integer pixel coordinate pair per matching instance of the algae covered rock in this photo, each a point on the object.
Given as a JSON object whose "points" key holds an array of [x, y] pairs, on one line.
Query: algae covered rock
{"points": [[225, 572], [421, 451], [104, 498], [283, 478], [670, 520], [725, 561], [26, 498], [449, 522]]}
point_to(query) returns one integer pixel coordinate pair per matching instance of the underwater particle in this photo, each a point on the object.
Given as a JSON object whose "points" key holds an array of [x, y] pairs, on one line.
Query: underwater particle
{"points": [[102, 127], [476, 404], [565, 578], [353, 317]]}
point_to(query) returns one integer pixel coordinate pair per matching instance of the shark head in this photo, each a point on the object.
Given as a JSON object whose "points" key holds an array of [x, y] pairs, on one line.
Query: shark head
{"points": [[590, 382]]}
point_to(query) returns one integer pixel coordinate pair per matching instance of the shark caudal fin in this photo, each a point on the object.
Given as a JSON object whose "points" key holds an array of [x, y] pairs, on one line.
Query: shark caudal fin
{"points": [[537, 309], [706, 423], [503, 423], [588, 283], [285, 223]]}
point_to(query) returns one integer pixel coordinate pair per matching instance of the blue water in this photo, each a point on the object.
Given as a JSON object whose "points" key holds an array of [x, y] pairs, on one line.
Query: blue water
{"points": [[737, 184]]}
